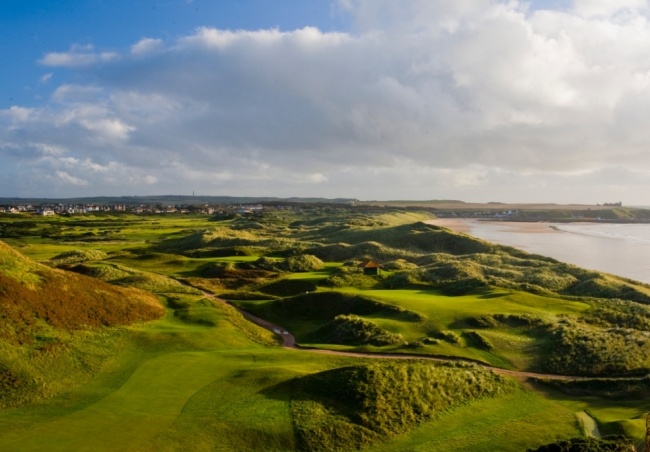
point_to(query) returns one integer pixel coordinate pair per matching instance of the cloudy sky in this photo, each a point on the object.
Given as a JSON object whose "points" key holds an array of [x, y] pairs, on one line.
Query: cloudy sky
{"points": [[477, 100]]}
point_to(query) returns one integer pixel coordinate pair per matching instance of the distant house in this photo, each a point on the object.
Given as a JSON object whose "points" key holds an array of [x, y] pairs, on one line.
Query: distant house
{"points": [[370, 267]]}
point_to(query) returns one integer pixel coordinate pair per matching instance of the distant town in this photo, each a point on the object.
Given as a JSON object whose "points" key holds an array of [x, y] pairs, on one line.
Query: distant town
{"points": [[48, 209]]}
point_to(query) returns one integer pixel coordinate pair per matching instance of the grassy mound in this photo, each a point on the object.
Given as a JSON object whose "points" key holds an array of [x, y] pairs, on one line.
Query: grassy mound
{"points": [[226, 251], [128, 277], [327, 305], [581, 349], [288, 287], [52, 326], [77, 257], [420, 238], [346, 251], [349, 407], [303, 263], [611, 388], [32, 294], [354, 330], [607, 444]]}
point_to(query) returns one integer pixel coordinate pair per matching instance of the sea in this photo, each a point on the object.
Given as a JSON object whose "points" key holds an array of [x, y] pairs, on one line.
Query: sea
{"points": [[619, 249]]}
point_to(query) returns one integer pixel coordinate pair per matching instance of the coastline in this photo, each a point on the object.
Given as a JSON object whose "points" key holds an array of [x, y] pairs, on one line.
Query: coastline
{"points": [[616, 248], [464, 225]]}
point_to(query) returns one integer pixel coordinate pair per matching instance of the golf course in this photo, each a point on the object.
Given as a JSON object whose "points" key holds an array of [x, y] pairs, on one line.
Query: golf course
{"points": [[262, 332]]}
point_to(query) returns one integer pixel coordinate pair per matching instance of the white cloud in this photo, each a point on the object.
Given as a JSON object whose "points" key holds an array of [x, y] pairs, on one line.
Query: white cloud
{"points": [[465, 96], [70, 180], [146, 46], [78, 56], [606, 7], [46, 78]]}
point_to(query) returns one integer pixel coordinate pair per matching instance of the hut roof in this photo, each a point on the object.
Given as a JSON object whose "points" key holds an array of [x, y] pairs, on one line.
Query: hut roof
{"points": [[369, 263]]}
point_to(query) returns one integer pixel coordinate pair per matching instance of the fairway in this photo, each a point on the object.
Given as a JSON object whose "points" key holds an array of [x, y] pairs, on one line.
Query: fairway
{"points": [[163, 393]]}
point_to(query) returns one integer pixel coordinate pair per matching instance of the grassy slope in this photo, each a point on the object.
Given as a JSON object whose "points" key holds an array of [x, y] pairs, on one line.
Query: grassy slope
{"points": [[33, 293], [58, 327], [170, 367]]}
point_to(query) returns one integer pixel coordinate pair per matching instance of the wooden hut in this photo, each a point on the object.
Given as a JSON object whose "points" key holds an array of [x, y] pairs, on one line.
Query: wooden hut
{"points": [[370, 267]]}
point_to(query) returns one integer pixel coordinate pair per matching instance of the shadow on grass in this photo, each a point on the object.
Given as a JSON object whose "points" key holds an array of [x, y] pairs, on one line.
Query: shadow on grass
{"points": [[283, 391], [488, 296]]}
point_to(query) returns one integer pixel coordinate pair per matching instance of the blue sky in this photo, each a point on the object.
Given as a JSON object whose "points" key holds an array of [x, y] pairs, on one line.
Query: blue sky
{"points": [[33, 28], [479, 100]]}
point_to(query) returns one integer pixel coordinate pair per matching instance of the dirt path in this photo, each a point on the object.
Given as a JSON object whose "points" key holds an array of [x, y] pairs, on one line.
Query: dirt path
{"points": [[289, 342]]}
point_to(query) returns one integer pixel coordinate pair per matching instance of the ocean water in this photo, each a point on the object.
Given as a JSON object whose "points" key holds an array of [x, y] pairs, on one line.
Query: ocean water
{"points": [[620, 249]]}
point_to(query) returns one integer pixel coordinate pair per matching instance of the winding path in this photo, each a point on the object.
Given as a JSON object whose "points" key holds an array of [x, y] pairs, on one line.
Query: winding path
{"points": [[289, 342]]}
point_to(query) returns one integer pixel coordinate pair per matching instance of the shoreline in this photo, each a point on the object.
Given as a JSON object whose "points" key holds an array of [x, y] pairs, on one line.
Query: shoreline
{"points": [[464, 225]]}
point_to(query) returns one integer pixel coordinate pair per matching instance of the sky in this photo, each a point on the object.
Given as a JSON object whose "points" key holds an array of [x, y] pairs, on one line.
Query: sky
{"points": [[473, 100]]}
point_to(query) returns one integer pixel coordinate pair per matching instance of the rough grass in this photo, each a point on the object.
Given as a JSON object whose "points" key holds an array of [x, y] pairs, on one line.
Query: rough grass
{"points": [[608, 444], [327, 305], [77, 256], [492, 285], [63, 300], [288, 287], [121, 275], [353, 406], [584, 350], [353, 330], [43, 324]]}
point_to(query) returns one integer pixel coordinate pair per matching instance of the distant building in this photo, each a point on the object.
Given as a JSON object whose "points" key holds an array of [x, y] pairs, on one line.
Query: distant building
{"points": [[370, 267]]}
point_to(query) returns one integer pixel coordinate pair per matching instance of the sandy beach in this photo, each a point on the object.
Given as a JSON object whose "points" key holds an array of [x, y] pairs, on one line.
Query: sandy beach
{"points": [[619, 249], [465, 225]]}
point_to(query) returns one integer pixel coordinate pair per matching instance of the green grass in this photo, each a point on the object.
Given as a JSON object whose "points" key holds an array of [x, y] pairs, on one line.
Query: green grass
{"points": [[179, 377], [513, 422], [205, 379]]}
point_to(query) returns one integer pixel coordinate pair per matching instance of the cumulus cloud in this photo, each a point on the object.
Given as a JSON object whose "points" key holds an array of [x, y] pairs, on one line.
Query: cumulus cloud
{"points": [[468, 98]]}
